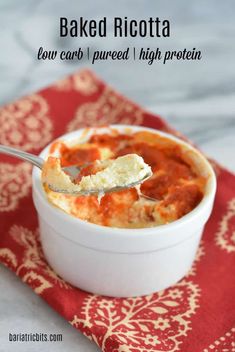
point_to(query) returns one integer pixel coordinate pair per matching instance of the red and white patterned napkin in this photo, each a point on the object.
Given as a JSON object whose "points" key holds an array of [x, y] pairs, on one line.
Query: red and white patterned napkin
{"points": [[197, 314]]}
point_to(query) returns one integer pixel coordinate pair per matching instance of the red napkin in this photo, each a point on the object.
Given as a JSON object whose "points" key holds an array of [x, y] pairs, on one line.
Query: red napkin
{"points": [[197, 314]]}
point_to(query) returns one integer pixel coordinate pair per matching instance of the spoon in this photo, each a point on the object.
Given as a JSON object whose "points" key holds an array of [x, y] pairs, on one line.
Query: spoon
{"points": [[71, 171]]}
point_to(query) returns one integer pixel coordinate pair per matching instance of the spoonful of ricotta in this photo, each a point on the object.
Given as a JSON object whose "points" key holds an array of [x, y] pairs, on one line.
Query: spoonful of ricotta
{"points": [[110, 175]]}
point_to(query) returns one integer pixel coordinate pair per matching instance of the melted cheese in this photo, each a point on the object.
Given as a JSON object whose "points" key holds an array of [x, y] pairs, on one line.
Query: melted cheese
{"points": [[177, 184]]}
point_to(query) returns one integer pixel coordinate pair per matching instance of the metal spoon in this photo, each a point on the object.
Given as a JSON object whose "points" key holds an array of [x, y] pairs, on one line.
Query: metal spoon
{"points": [[71, 171]]}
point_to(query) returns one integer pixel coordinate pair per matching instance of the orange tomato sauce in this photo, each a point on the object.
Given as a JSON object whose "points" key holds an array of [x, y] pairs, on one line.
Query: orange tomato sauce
{"points": [[176, 185]]}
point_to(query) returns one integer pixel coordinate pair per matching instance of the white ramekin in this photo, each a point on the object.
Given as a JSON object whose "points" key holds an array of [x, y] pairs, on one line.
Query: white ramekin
{"points": [[121, 262]]}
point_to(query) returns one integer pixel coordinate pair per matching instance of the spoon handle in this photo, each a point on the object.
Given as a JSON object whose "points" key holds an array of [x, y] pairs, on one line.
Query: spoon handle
{"points": [[33, 159]]}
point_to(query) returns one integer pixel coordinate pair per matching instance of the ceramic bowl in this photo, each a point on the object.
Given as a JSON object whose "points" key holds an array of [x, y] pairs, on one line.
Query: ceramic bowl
{"points": [[122, 262]]}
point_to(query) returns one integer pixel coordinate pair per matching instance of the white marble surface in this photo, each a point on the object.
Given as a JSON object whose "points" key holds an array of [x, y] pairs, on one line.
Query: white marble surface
{"points": [[198, 98]]}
